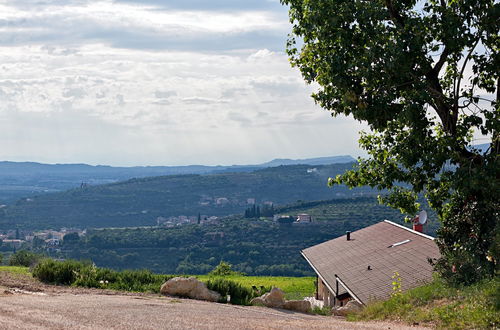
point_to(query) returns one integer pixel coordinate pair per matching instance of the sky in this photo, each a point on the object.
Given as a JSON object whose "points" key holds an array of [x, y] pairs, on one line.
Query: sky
{"points": [[157, 82]]}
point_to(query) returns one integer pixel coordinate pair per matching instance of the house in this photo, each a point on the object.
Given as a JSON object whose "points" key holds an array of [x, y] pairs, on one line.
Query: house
{"points": [[16, 243], [304, 218], [360, 265]]}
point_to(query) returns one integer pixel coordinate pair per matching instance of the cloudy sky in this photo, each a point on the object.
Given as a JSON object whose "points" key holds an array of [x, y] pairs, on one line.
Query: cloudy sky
{"points": [[156, 82]]}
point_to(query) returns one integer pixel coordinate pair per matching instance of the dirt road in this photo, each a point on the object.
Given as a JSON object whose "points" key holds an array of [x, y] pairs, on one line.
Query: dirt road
{"points": [[50, 307]]}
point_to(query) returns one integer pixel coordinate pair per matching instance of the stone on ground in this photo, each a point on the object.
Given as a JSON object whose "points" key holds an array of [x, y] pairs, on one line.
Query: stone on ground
{"points": [[275, 298], [302, 306], [189, 288], [350, 307]]}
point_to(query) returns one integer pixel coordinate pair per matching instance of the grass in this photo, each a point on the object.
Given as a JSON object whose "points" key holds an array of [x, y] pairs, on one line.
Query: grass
{"points": [[16, 270], [445, 307], [294, 287], [84, 274]]}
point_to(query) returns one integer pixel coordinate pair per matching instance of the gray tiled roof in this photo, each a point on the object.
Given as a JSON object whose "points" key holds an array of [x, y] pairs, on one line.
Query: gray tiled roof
{"points": [[349, 260]]}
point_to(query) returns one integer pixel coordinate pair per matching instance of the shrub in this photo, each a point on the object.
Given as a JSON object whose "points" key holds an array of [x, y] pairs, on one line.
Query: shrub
{"points": [[24, 258], [224, 269], [239, 295], [85, 274], [59, 272], [326, 311]]}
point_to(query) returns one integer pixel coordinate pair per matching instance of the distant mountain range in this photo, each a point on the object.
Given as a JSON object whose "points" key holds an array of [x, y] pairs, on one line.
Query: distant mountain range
{"points": [[23, 179], [29, 168]]}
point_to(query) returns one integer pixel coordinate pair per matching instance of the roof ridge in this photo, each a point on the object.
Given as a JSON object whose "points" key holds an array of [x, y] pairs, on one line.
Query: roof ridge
{"points": [[410, 230]]}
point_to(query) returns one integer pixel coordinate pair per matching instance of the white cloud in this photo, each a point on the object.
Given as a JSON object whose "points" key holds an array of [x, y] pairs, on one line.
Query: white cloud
{"points": [[74, 88]]}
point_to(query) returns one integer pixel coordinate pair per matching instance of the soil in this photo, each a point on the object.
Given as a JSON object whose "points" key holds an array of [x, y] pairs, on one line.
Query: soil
{"points": [[25, 303]]}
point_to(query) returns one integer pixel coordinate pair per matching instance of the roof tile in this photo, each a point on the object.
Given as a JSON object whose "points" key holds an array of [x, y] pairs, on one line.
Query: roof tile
{"points": [[370, 246]]}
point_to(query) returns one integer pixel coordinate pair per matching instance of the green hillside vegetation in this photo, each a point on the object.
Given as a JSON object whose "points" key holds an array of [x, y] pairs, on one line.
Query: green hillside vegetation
{"points": [[138, 202], [470, 307], [25, 179], [241, 288], [253, 246], [364, 209]]}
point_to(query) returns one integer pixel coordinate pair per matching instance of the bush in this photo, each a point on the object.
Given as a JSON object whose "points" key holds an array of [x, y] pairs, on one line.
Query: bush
{"points": [[59, 272], [224, 269], [239, 294], [24, 258], [85, 274], [325, 311]]}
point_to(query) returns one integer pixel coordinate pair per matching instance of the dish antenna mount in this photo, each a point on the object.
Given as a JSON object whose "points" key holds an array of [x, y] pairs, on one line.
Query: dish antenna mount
{"points": [[422, 217]]}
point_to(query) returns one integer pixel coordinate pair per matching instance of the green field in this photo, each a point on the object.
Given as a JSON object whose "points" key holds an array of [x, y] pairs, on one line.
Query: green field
{"points": [[294, 287], [15, 270]]}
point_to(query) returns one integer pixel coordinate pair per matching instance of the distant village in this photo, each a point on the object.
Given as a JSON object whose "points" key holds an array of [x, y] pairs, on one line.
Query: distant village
{"points": [[51, 239]]}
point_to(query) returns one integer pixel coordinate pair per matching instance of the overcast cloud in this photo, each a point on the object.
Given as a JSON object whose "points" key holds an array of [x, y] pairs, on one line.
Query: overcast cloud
{"points": [[156, 82]]}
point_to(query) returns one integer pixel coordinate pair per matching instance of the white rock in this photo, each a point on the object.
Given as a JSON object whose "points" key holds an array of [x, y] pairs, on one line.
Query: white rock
{"points": [[350, 307], [189, 288], [274, 299]]}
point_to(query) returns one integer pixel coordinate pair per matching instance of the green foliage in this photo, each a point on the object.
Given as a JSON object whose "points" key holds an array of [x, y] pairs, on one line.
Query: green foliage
{"points": [[399, 66], [71, 238], [18, 270], [24, 258], [238, 294], [85, 274], [325, 311], [224, 269], [295, 288], [239, 288], [396, 285], [469, 241], [259, 211], [473, 307], [1, 258], [122, 204], [252, 247], [59, 272]]}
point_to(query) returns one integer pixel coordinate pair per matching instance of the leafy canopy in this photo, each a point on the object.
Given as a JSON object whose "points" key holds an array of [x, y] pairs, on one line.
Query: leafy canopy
{"points": [[224, 269], [423, 75]]}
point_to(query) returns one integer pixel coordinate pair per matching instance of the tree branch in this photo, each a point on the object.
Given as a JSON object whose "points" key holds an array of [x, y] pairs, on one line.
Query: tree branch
{"points": [[442, 60], [457, 91], [396, 17]]}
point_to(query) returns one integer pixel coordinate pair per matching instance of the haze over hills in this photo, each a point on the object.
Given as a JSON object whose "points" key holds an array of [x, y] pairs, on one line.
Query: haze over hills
{"points": [[138, 202], [23, 179]]}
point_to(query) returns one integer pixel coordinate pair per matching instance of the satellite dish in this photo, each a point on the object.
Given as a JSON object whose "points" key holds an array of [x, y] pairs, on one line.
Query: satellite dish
{"points": [[422, 217]]}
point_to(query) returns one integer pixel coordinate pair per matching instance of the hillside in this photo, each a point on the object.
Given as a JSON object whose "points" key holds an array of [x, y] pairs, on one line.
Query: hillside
{"points": [[364, 209], [440, 305], [253, 246], [24, 179], [139, 202]]}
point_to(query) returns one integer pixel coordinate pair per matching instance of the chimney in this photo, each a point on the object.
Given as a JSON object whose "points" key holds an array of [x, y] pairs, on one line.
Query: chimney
{"points": [[348, 233], [418, 227]]}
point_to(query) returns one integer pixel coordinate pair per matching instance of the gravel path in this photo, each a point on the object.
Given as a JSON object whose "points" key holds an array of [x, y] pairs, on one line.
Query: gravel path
{"points": [[52, 307]]}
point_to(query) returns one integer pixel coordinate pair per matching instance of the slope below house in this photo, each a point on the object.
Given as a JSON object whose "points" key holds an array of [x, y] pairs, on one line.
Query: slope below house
{"points": [[361, 265]]}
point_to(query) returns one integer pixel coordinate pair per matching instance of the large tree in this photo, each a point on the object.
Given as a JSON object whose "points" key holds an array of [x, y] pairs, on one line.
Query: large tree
{"points": [[424, 75]]}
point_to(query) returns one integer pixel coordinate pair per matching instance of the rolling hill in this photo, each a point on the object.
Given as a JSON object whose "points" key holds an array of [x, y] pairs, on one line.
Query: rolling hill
{"points": [[24, 179], [138, 202]]}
